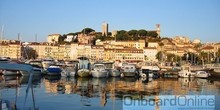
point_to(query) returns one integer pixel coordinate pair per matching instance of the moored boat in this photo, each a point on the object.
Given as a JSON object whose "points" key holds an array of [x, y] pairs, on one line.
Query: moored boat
{"points": [[83, 68], [113, 71], [186, 72], [202, 74], [99, 71], [54, 70], [47, 62], [128, 70], [83, 73]]}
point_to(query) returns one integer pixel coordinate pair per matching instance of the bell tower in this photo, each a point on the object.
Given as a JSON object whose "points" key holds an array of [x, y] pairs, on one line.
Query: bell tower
{"points": [[158, 30]]}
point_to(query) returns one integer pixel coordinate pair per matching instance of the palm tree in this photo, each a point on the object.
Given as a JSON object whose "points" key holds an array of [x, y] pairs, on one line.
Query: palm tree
{"points": [[204, 57]]}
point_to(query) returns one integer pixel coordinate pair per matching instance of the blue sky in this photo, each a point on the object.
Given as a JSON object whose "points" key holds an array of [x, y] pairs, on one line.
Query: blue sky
{"points": [[197, 19]]}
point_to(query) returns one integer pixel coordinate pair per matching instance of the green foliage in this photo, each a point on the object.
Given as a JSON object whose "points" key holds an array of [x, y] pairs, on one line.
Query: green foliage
{"points": [[198, 45], [122, 35], [159, 55], [133, 33], [218, 53], [167, 57], [152, 33], [87, 30], [173, 58], [61, 38], [75, 40], [142, 33], [29, 53]]}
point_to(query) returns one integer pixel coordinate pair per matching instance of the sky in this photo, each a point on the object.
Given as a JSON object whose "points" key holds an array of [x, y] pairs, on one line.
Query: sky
{"points": [[196, 19]]}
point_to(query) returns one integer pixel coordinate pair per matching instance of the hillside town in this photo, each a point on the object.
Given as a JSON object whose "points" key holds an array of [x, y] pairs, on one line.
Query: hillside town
{"points": [[152, 49]]}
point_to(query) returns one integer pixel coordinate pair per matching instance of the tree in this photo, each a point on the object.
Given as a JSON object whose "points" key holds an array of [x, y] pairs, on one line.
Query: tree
{"points": [[173, 58], [159, 55], [29, 53], [218, 55], [142, 32], [152, 33], [203, 56], [62, 38], [133, 33], [75, 40], [122, 35], [87, 30]]}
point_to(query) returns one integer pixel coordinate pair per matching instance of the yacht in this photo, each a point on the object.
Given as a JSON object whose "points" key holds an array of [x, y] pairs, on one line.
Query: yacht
{"points": [[113, 71], [128, 70], [99, 70], [202, 74], [54, 70], [149, 70], [186, 72], [47, 62]]}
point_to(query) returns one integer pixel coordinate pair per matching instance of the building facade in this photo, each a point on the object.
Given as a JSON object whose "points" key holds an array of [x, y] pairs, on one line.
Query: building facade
{"points": [[53, 38]]}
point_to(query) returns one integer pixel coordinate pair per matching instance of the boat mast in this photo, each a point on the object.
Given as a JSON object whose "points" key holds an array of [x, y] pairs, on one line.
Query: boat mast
{"points": [[1, 39], [18, 44], [35, 55]]}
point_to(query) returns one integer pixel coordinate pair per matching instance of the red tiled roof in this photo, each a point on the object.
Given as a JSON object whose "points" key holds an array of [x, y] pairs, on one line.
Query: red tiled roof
{"points": [[208, 48]]}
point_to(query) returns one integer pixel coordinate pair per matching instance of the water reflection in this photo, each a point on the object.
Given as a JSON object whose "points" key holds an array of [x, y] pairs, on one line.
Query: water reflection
{"points": [[112, 90], [92, 86]]}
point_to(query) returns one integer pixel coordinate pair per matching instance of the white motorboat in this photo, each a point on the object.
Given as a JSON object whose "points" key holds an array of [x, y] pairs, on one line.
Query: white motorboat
{"points": [[128, 70], [47, 62], [99, 70], [69, 72], [202, 74], [113, 71], [145, 72], [186, 72]]}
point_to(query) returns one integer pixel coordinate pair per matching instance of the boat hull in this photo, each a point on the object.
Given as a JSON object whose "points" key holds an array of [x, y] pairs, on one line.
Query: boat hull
{"points": [[186, 74], [10, 73], [115, 73], [202, 74], [128, 74], [99, 74], [83, 73], [36, 72]]}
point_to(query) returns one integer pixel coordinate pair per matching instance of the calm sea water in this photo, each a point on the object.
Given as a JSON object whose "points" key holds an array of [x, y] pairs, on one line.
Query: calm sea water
{"points": [[60, 93]]}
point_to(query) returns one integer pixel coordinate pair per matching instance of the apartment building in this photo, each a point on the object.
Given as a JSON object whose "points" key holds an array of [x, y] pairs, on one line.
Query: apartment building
{"points": [[150, 54], [140, 44], [11, 49], [129, 55], [53, 38], [97, 53], [84, 50]]}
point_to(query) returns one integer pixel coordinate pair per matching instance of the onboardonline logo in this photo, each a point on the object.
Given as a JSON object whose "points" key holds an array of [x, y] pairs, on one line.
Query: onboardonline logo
{"points": [[169, 102]]}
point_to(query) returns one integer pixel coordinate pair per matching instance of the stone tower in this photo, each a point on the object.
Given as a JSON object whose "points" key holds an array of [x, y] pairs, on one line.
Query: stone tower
{"points": [[104, 29], [158, 30]]}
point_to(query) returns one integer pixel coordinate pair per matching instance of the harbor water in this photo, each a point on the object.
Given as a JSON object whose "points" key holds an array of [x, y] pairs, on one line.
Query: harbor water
{"points": [[61, 93]]}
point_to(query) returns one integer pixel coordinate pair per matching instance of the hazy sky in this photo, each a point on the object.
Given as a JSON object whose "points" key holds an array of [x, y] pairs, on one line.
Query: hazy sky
{"points": [[197, 19]]}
